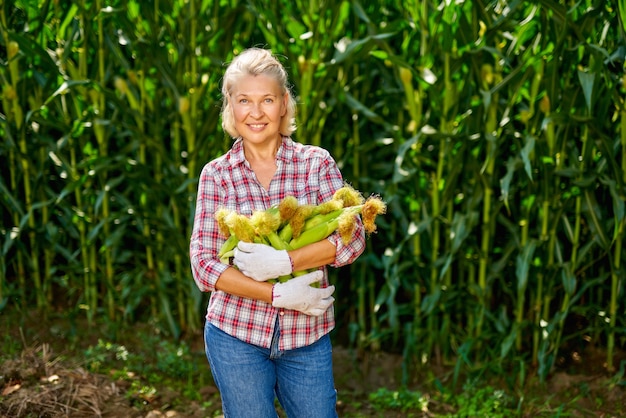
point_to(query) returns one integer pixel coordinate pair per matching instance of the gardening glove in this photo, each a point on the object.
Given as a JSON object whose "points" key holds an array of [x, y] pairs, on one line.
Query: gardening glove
{"points": [[261, 262], [297, 294]]}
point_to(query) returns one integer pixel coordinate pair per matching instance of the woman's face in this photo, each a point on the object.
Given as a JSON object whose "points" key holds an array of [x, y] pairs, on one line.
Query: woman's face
{"points": [[258, 108]]}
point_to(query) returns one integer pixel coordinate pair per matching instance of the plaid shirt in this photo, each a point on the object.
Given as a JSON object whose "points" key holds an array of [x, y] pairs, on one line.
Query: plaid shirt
{"points": [[311, 175]]}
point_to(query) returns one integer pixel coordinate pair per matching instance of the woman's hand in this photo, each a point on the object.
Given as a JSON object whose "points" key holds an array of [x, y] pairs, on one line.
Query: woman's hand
{"points": [[262, 262], [298, 294]]}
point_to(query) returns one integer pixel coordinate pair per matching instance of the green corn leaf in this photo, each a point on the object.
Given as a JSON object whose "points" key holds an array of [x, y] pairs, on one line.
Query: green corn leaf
{"points": [[587, 81], [522, 265], [568, 279], [528, 149]]}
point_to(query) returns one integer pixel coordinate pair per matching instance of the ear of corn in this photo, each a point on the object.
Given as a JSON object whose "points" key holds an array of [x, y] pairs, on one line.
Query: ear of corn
{"points": [[299, 218], [321, 218], [277, 242], [286, 233], [289, 226], [287, 208], [228, 246], [315, 234]]}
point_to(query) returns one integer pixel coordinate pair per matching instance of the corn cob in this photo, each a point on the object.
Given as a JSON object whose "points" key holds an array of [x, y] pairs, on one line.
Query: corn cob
{"points": [[290, 226], [321, 218], [342, 220], [228, 246], [314, 234]]}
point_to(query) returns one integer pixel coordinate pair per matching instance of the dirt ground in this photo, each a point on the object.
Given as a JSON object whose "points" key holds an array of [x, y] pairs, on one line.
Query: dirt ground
{"points": [[48, 378], [38, 384]]}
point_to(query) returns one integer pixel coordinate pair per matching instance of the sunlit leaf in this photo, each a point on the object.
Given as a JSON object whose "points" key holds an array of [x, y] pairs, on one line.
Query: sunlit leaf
{"points": [[587, 81]]}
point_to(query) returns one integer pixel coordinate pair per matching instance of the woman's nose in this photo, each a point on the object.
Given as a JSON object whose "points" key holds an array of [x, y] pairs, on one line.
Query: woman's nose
{"points": [[256, 110]]}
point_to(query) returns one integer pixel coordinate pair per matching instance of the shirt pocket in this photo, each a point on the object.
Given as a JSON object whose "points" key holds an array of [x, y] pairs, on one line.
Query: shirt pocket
{"points": [[240, 204], [307, 192]]}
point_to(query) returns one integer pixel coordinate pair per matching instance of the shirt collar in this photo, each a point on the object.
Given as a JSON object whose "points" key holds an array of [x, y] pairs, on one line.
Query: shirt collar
{"points": [[285, 152], [237, 155]]}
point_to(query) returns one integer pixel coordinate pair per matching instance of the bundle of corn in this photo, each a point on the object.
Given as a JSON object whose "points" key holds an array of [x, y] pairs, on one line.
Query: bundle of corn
{"points": [[289, 225]]}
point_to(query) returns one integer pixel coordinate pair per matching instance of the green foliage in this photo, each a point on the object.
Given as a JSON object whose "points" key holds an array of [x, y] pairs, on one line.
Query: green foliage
{"points": [[170, 364], [107, 355], [402, 400], [140, 393], [471, 402], [174, 360], [482, 402], [9, 347], [495, 131]]}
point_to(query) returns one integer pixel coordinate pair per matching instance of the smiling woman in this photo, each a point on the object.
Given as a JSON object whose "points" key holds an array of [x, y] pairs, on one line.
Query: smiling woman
{"points": [[263, 340]]}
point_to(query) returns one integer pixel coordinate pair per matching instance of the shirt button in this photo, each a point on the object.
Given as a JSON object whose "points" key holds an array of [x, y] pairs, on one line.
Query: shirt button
{"points": [[281, 313]]}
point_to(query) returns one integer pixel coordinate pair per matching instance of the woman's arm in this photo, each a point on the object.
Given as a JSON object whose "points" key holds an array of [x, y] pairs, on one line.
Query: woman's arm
{"points": [[234, 282], [296, 293], [313, 255], [206, 238]]}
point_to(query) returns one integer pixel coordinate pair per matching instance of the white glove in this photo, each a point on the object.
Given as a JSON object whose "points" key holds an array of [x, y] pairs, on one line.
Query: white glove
{"points": [[297, 294], [261, 262]]}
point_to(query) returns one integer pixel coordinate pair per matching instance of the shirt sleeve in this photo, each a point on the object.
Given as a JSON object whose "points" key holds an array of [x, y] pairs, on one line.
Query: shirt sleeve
{"points": [[205, 237], [332, 180]]}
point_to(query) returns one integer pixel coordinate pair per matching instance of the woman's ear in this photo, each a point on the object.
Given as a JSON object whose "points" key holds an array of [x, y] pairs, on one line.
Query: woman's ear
{"points": [[283, 111]]}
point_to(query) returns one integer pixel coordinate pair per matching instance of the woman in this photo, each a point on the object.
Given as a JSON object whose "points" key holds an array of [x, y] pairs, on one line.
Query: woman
{"points": [[265, 341]]}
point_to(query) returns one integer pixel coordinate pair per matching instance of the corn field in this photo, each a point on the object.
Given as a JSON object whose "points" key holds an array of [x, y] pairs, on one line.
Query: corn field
{"points": [[495, 131]]}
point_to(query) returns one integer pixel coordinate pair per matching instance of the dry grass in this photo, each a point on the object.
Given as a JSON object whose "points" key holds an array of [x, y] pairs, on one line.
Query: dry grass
{"points": [[40, 384]]}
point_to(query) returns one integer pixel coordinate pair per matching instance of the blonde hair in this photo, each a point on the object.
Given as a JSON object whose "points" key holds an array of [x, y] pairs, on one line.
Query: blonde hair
{"points": [[255, 61]]}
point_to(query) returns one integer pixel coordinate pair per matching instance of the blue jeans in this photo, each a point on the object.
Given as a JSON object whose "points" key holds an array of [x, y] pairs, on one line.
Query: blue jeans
{"points": [[249, 377]]}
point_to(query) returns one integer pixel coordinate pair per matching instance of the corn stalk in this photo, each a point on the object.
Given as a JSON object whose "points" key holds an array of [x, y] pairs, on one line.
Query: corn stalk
{"points": [[17, 116], [620, 227], [375, 85], [487, 173], [13, 115]]}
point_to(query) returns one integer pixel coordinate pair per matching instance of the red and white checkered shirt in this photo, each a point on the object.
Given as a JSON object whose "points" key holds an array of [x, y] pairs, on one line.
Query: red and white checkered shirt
{"points": [[311, 175]]}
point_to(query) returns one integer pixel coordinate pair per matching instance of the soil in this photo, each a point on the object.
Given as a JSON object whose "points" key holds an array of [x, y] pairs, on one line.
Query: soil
{"points": [[46, 374]]}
